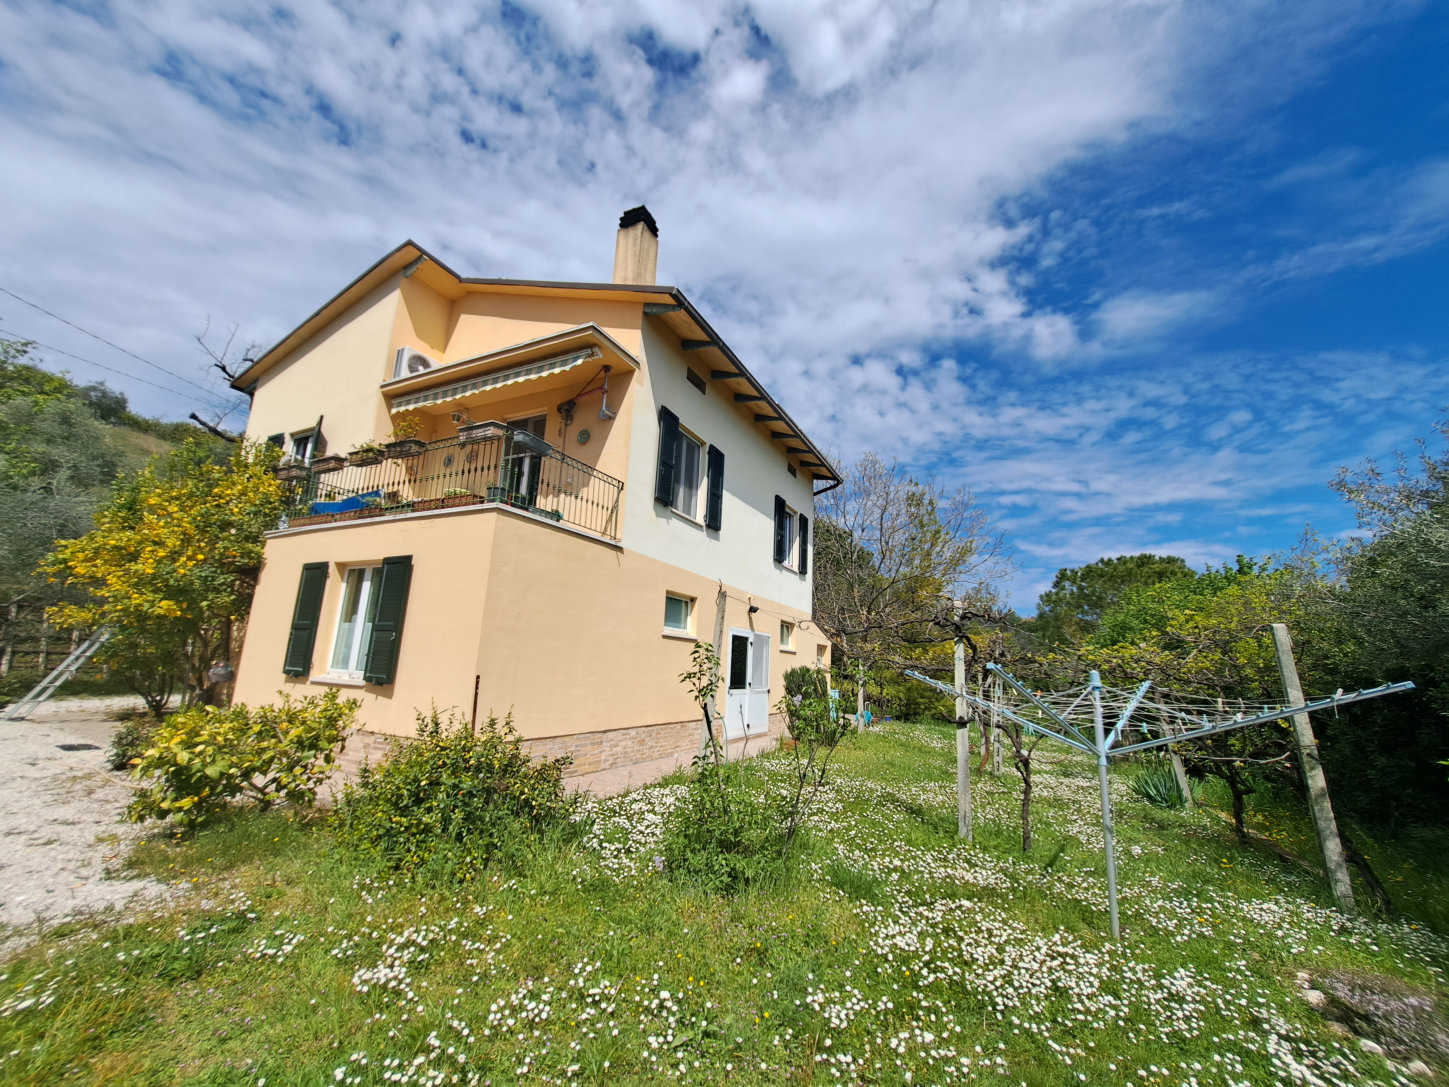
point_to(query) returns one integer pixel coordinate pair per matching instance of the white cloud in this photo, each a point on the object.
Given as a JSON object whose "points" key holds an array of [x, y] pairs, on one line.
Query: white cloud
{"points": [[829, 179]]}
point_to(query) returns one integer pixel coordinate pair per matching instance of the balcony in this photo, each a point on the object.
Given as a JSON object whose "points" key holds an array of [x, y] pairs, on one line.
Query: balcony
{"points": [[489, 464]]}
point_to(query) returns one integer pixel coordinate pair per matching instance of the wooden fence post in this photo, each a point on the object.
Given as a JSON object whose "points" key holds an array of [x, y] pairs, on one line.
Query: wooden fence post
{"points": [[1318, 802], [963, 743]]}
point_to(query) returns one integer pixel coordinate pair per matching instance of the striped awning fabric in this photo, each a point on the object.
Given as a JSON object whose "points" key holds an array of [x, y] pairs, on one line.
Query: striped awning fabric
{"points": [[512, 375]]}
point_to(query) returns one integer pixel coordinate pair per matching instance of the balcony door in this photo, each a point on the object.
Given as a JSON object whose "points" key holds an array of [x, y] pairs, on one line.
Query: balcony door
{"points": [[522, 467], [747, 700]]}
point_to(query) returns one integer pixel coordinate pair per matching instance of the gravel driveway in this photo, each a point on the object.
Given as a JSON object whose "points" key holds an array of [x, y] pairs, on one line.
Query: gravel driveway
{"points": [[59, 814]]}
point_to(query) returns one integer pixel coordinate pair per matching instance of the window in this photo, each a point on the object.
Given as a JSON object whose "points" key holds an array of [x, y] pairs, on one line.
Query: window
{"points": [[677, 480], [819, 656], [785, 537], [369, 620], [695, 380], [792, 538], [677, 612], [787, 636], [355, 621], [686, 475], [302, 447]]}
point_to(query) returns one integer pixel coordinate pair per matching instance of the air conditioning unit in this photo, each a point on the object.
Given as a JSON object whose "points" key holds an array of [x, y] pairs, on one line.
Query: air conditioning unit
{"points": [[411, 361]]}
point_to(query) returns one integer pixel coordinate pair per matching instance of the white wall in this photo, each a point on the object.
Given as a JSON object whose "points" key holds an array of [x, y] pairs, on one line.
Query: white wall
{"points": [[741, 553]]}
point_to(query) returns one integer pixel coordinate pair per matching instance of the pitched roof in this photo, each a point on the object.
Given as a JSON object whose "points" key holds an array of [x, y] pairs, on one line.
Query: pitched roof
{"points": [[668, 304]]}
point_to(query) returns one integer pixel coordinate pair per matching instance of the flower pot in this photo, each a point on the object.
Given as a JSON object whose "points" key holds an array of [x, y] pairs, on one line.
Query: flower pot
{"points": [[445, 503], [532, 442], [407, 447], [330, 463], [480, 432], [361, 460], [290, 473]]}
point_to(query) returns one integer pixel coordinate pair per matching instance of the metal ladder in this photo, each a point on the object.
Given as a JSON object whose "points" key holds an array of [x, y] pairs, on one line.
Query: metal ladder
{"points": [[48, 686]]}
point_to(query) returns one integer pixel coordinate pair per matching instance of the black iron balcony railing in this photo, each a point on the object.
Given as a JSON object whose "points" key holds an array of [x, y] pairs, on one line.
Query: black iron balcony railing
{"points": [[488, 463]]}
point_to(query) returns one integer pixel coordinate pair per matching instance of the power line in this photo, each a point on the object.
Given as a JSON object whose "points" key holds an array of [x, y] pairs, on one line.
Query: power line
{"points": [[122, 373], [108, 343]]}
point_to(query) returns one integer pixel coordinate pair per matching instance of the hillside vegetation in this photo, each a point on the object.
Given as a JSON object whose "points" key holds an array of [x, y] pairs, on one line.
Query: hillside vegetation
{"points": [[889, 953], [62, 448]]}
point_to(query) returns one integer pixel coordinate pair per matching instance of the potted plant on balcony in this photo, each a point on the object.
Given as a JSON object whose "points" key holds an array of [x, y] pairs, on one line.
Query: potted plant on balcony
{"points": [[404, 441], [481, 432], [290, 470], [522, 439], [364, 454], [329, 463], [449, 499]]}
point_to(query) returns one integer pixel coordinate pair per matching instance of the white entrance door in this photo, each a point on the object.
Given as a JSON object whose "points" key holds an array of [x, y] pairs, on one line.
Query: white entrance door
{"points": [[747, 704]]}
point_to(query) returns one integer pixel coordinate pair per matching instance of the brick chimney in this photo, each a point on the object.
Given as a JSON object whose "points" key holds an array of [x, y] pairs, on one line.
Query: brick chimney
{"points": [[636, 252]]}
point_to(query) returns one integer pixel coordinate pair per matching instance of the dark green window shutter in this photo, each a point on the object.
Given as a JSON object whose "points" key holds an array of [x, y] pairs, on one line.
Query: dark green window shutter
{"points": [[714, 500], [279, 440], [804, 544], [782, 521], [668, 451], [304, 619], [392, 605]]}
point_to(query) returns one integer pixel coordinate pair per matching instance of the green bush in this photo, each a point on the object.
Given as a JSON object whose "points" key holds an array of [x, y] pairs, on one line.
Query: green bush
{"points": [[722, 836], [1157, 784], [807, 682], [130, 740], [452, 800], [201, 759]]}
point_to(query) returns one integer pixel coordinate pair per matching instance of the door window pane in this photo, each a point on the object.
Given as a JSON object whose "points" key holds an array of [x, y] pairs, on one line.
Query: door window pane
{"points": [[686, 476], [760, 666], [354, 622], [739, 662]]}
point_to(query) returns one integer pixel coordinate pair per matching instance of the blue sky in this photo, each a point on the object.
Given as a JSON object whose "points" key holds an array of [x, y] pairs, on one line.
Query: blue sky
{"points": [[1140, 274]]}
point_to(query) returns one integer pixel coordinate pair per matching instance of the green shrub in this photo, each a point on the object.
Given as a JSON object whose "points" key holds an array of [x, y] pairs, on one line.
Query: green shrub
{"points": [[1157, 784], [807, 682], [452, 800], [203, 758], [722, 836], [130, 740]]}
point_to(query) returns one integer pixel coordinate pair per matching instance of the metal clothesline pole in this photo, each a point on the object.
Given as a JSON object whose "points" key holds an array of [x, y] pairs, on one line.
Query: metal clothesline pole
{"points": [[1099, 732], [1103, 746]]}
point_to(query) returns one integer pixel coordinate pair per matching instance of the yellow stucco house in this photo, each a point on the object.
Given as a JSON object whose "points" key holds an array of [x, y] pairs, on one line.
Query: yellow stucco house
{"points": [[530, 498]]}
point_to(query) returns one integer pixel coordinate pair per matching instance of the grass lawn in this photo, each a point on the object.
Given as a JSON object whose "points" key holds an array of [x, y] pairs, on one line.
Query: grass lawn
{"points": [[892, 954]]}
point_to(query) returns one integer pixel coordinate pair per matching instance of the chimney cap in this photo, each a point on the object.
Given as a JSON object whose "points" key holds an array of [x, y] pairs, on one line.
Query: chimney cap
{"points": [[639, 215]]}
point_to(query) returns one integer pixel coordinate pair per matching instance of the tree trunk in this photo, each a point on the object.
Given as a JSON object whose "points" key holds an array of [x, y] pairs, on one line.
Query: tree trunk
{"points": [[1241, 791], [1023, 767]]}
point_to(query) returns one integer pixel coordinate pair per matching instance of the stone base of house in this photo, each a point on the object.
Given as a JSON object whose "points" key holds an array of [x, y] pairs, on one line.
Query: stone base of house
{"points": [[603, 762]]}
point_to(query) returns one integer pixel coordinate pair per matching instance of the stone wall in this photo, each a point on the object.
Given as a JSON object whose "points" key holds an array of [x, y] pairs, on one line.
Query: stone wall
{"points": [[592, 752]]}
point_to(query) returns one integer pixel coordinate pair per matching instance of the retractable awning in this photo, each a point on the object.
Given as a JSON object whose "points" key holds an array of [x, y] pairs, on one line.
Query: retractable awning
{"points": [[514, 374]]}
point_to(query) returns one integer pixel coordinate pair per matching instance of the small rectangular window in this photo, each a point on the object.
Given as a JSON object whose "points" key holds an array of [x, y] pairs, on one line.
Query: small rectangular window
{"points": [[791, 469], [820, 656], [695, 380], [677, 612], [302, 447], [787, 635]]}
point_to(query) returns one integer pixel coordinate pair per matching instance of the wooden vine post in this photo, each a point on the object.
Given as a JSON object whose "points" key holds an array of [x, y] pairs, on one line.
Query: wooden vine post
{"points": [[963, 739], [1318, 802]]}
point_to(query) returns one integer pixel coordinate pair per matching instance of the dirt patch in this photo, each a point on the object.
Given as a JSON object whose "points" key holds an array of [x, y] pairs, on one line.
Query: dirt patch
{"points": [[60, 818]]}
